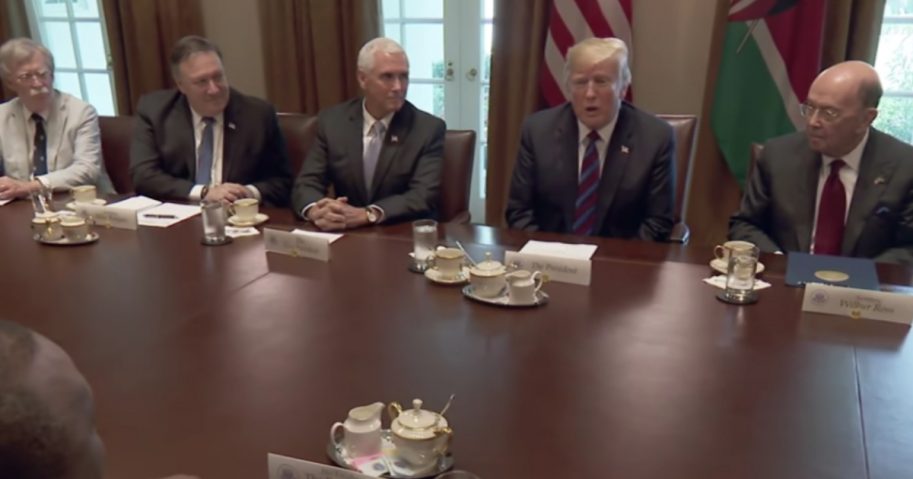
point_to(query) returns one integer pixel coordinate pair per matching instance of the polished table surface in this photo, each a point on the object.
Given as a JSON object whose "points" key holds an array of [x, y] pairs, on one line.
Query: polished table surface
{"points": [[203, 359]]}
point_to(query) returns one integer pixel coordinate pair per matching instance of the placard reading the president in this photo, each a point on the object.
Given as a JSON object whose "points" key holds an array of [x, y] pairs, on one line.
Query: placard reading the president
{"points": [[107, 216], [563, 270], [858, 303], [292, 244]]}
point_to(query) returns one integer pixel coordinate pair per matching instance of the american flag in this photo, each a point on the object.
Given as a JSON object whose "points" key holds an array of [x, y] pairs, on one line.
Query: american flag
{"points": [[572, 21]]}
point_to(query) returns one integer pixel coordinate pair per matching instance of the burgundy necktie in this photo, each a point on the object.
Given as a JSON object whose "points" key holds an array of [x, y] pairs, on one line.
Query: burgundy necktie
{"points": [[585, 207], [831, 213]]}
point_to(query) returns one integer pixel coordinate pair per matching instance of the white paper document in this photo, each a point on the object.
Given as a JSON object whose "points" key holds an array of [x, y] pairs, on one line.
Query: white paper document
{"points": [[330, 237], [3, 202], [719, 281], [236, 232], [166, 214], [283, 467], [136, 203], [561, 250]]}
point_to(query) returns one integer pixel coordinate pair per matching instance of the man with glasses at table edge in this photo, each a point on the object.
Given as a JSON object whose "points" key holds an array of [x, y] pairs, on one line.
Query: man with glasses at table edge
{"points": [[48, 139], [841, 187], [206, 140], [596, 165]]}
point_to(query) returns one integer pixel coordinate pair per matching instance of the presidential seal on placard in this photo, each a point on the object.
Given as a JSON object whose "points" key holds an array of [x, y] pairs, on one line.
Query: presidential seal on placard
{"points": [[832, 276]]}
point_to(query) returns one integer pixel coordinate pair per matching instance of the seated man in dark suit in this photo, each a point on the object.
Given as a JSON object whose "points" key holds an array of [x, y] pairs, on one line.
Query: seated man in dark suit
{"points": [[841, 187], [47, 422], [596, 165], [206, 140], [382, 155]]}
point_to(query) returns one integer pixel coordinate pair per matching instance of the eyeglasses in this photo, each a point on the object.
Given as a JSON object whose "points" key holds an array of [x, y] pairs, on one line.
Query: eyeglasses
{"points": [[826, 114], [203, 83], [599, 83], [30, 76]]}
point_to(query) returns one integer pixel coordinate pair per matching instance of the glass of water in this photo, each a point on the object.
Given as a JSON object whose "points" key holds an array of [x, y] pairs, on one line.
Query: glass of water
{"points": [[740, 274], [213, 213], [424, 238]]}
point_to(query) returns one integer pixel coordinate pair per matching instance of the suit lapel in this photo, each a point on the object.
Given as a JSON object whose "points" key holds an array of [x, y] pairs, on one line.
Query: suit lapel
{"points": [[807, 181], [396, 135], [566, 153], [354, 142], [57, 121], [229, 133], [874, 171], [182, 133], [13, 147], [617, 156]]}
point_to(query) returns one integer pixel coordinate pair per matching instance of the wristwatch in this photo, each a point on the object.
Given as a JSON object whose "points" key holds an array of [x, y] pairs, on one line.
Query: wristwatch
{"points": [[372, 215], [204, 192]]}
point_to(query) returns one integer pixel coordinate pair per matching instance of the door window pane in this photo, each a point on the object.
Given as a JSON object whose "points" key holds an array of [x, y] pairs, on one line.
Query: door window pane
{"points": [[390, 8], [422, 96], [51, 8], [85, 8], [425, 44], [92, 45], [423, 8], [487, 31], [68, 83], [895, 117], [392, 30], [60, 43], [99, 93]]}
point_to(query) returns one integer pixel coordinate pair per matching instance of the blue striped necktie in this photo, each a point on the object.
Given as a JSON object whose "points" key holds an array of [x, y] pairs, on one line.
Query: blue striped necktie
{"points": [[204, 154], [588, 184], [372, 152]]}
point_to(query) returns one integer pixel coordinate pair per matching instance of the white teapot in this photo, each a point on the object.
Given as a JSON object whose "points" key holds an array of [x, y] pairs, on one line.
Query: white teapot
{"points": [[487, 278], [421, 437]]}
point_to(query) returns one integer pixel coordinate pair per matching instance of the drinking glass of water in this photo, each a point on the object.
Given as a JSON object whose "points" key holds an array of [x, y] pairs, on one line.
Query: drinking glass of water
{"points": [[740, 275], [424, 238], [213, 213]]}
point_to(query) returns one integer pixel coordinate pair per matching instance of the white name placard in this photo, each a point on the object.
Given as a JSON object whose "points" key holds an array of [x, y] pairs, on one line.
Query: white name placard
{"points": [[563, 270], [284, 242], [283, 467], [858, 303], [107, 216]]}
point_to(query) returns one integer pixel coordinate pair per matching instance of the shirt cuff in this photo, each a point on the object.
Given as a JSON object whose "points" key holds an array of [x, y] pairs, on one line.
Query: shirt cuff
{"points": [[379, 212], [304, 211], [254, 191], [43, 180], [195, 192]]}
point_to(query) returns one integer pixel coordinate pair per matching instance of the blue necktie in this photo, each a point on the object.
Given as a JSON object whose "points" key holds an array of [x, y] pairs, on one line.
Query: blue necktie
{"points": [[372, 152], [40, 156], [585, 207], [204, 155]]}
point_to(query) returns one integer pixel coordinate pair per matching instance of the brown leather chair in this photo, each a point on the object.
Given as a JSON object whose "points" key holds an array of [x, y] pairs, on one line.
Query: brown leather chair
{"points": [[116, 135], [456, 176], [685, 129], [299, 131]]}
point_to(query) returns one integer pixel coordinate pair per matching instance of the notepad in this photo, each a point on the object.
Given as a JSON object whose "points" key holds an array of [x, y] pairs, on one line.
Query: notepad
{"points": [[803, 268]]}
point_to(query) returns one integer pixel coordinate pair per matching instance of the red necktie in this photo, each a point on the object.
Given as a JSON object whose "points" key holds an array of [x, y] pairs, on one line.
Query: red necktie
{"points": [[585, 207], [831, 213]]}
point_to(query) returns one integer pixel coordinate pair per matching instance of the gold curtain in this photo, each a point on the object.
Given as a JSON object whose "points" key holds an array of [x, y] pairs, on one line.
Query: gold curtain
{"points": [[851, 31], [520, 28], [311, 48], [141, 34], [13, 23]]}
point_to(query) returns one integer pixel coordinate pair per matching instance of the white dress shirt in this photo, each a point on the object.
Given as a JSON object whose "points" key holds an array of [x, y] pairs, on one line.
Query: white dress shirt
{"points": [[848, 176], [605, 136], [218, 130]]}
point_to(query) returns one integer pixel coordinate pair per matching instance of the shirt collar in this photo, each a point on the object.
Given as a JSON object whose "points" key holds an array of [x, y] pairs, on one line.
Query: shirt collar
{"points": [[604, 133], [198, 119], [852, 159], [370, 120], [43, 114]]}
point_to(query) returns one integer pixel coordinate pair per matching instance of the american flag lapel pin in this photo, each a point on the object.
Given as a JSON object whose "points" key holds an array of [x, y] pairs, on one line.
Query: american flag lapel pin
{"points": [[231, 126], [625, 150], [880, 180], [394, 139]]}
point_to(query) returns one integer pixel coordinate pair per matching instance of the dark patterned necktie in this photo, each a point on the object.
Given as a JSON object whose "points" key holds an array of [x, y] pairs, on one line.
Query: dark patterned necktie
{"points": [[40, 155], [588, 183], [831, 213], [204, 156]]}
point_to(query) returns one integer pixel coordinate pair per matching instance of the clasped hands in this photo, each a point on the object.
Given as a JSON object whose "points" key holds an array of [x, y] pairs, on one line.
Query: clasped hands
{"points": [[11, 189], [334, 214], [228, 193]]}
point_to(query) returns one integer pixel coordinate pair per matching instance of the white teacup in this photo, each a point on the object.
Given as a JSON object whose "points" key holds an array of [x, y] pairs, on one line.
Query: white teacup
{"points": [[46, 226], [523, 285], [448, 262], [722, 252], [246, 209], [75, 228], [84, 193]]}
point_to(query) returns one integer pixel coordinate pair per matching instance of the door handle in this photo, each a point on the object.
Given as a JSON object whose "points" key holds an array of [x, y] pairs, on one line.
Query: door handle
{"points": [[471, 74]]}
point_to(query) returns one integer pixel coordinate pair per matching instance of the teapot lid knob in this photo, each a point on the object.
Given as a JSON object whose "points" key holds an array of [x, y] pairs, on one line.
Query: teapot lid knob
{"points": [[417, 404]]}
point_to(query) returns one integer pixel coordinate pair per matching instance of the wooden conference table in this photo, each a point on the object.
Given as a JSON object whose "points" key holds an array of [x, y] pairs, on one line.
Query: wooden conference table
{"points": [[203, 359]]}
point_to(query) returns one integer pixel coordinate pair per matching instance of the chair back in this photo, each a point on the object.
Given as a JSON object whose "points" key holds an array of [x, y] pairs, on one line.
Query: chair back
{"points": [[299, 131], [685, 129], [456, 176], [116, 136]]}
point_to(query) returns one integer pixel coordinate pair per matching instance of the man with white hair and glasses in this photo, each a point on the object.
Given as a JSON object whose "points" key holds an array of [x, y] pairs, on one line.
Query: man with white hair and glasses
{"points": [[48, 139], [840, 187], [382, 155]]}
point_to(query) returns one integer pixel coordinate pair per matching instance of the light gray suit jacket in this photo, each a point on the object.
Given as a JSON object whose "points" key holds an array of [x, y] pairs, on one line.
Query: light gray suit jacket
{"points": [[74, 144], [778, 207]]}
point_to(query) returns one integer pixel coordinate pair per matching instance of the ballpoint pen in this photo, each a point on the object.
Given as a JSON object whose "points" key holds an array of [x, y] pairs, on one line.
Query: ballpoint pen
{"points": [[166, 217]]}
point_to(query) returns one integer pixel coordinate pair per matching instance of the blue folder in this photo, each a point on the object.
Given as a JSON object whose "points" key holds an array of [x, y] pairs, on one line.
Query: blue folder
{"points": [[801, 268]]}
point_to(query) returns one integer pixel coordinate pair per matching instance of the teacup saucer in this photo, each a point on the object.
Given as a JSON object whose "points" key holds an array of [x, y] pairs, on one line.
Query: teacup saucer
{"points": [[720, 266], [90, 238], [504, 299], [259, 219], [96, 202], [435, 276], [395, 466]]}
